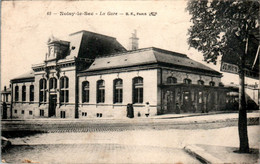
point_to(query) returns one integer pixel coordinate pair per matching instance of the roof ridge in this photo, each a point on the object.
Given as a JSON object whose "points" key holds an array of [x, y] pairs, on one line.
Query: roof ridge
{"points": [[85, 31], [170, 52], [126, 52], [145, 49]]}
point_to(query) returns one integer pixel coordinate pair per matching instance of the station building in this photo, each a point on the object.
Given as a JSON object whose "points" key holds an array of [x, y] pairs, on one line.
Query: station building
{"points": [[93, 75]]}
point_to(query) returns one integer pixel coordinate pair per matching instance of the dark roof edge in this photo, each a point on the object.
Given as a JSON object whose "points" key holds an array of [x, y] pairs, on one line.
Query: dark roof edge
{"points": [[213, 73], [144, 49], [23, 79], [84, 31], [169, 52], [199, 69]]}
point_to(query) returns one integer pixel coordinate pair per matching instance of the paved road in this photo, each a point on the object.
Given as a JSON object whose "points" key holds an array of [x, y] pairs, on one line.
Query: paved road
{"points": [[138, 146], [97, 153], [94, 125]]}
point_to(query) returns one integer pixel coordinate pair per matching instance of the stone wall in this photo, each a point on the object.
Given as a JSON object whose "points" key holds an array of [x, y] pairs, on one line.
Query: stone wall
{"points": [[110, 109]]}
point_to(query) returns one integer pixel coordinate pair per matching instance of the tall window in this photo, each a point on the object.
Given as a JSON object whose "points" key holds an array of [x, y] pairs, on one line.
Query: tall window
{"points": [[187, 81], [31, 92], [212, 83], [118, 91], [200, 82], [100, 91], [138, 90], [85, 91], [53, 83], [43, 90], [171, 80], [23, 93], [16, 93], [64, 89]]}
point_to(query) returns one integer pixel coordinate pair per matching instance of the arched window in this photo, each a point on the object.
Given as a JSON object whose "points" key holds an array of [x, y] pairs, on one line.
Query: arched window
{"points": [[138, 90], [23, 93], [187, 81], [53, 83], [31, 92], [43, 90], [64, 89], [118, 91], [171, 80], [85, 91], [200, 82], [100, 91], [212, 83], [16, 93]]}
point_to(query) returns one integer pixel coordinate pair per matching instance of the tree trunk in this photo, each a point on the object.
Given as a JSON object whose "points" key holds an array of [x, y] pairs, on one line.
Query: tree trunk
{"points": [[242, 120]]}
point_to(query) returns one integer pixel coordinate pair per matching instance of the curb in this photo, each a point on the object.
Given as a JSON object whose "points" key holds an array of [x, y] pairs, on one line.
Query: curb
{"points": [[5, 143], [201, 154]]}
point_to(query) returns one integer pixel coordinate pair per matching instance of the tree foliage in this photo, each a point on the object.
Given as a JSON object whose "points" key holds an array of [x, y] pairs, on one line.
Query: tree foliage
{"points": [[221, 27]]}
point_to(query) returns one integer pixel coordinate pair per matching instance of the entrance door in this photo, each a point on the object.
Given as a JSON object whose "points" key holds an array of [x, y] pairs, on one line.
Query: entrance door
{"points": [[52, 105], [186, 101], [170, 101]]}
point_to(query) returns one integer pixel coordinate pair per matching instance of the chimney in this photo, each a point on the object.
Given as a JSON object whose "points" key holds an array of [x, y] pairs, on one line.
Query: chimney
{"points": [[133, 41]]}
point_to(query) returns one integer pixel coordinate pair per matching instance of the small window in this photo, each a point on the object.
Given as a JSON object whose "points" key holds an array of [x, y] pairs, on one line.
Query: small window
{"points": [[84, 113], [200, 82], [41, 112], [15, 111], [171, 80], [30, 112], [22, 111], [187, 81], [221, 84], [212, 83], [62, 114]]}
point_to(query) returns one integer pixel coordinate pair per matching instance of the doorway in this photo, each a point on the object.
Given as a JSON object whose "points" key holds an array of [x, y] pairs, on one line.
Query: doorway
{"points": [[52, 105], [170, 96], [62, 114], [186, 102]]}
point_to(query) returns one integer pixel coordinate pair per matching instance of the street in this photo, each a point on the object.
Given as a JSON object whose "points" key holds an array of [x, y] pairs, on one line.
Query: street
{"points": [[139, 146], [122, 141]]}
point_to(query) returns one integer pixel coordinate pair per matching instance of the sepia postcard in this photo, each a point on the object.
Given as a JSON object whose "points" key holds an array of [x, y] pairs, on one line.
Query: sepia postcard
{"points": [[130, 81]]}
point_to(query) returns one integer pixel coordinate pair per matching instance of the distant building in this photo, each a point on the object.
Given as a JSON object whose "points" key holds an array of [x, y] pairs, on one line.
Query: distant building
{"points": [[6, 102], [93, 75]]}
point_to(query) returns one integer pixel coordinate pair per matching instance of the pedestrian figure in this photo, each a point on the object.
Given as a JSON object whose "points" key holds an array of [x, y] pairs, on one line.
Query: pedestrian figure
{"points": [[147, 108], [4, 116], [177, 108], [130, 111]]}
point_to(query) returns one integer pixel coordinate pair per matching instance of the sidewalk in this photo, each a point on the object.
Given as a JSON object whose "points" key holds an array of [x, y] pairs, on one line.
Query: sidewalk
{"points": [[211, 116], [222, 154]]}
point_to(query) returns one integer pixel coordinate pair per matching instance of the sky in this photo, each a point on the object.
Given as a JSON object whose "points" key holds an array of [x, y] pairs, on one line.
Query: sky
{"points": [[27, 25]]}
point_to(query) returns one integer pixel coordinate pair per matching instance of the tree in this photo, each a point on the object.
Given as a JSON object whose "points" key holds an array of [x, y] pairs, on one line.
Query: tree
{"points": [[223, 28]]}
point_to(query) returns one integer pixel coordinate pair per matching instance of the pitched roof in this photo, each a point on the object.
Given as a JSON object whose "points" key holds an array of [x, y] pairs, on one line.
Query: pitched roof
{"points": [[146, 56], [89, 44], [27, 75]]}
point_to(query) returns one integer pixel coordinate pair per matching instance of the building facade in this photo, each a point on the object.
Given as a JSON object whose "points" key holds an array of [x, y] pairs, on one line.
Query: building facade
{"points": [[93, 75]]}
